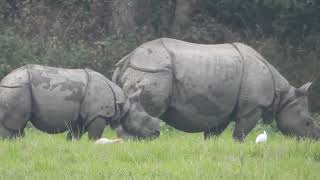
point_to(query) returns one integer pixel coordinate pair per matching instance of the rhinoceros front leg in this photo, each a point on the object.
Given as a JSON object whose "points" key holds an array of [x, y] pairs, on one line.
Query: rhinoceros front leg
{"points": [[216, 131], [10, 133], [267, 117], [245, 124], [95, 128], [5, 133]]}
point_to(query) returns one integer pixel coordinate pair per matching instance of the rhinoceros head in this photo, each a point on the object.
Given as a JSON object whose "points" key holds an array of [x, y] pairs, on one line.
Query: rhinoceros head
{"points": [[137, 123], [293, 117]]}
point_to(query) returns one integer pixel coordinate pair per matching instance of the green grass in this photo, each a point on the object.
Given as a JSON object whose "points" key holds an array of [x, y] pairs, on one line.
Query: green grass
{"points": [[175, 155]]}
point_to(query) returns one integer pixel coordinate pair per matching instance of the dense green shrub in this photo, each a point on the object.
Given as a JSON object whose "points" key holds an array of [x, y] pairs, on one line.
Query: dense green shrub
{"points": [[15, 52], [100, 56], [292, 20]]}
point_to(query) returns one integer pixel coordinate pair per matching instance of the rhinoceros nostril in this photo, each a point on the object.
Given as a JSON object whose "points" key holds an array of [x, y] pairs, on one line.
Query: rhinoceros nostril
{"points": [[157, 132], [308, 123]]}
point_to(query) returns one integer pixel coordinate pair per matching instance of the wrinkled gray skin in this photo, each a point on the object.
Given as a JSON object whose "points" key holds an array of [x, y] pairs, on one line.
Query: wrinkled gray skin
{"points": [[202, 88], [75, 100]]}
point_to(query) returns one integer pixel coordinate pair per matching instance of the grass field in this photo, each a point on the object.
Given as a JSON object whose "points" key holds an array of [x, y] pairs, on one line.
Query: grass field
{"points": [[175, 155]]}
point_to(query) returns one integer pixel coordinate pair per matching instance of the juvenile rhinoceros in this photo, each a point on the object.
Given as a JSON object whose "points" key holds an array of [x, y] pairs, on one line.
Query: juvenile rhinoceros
{"points": [[56, 100], [201, 88]]}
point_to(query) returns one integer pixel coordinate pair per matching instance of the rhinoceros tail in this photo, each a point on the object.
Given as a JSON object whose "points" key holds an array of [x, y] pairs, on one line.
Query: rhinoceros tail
{"points": [[15, 103]]}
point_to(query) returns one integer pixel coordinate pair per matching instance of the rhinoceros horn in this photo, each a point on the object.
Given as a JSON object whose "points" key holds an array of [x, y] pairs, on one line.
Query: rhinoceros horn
{"points": [[302, 91], [135, 96]]}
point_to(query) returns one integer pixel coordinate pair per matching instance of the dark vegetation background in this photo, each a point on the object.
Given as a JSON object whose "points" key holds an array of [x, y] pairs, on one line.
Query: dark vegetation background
{"points": [[97, 33]]}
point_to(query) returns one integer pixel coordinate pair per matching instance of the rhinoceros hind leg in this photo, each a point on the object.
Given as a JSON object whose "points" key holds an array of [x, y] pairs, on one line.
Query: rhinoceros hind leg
{"points": [[95, 128], [245, 124], [216, 131]]}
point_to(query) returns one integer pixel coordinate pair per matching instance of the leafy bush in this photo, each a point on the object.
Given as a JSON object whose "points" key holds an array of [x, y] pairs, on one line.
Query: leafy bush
{"points": [[291, 20], [15, 52], [100, 56]]}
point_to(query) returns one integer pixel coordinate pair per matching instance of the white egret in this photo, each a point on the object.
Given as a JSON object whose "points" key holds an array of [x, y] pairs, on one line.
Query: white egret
{"points": [[108, 141], [262, 137]]}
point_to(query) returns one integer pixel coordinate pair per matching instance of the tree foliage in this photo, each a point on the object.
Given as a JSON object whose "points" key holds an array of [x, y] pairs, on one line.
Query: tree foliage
{"points": [[292, 20], [97, 33]]}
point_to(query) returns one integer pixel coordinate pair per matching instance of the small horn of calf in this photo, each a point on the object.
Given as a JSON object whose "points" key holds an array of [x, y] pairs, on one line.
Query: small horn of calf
{"points": [[135, 96]]}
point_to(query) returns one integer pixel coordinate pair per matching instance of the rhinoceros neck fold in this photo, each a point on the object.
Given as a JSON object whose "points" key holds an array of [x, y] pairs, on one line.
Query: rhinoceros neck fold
{"points": [[111, 112], [285, 99], [89, 79], [281, 86], [116, 109], [275, 101], [235, 108]]}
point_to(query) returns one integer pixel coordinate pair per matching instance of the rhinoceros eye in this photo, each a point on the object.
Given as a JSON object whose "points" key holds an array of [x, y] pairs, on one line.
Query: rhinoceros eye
{"points": [[299, 112], [308, 123]]}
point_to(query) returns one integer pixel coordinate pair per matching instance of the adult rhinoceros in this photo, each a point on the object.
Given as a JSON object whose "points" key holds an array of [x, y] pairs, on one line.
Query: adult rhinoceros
{"points": [[201, 88], [56, 100]]}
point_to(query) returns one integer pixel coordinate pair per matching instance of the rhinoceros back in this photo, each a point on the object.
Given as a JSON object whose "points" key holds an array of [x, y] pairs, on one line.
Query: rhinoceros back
{"points": [[56, 96], [151, 57], [206, 85]]}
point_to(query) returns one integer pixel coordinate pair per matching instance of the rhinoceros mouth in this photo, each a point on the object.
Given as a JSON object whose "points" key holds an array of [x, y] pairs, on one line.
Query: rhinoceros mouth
{"points": [[127, 131], [125, 134], [124, 118], [124, 125]]}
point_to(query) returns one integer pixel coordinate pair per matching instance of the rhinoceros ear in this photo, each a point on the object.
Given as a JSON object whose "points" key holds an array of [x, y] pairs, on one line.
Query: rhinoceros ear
{"points": [[135, 96], [303, 90]]}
